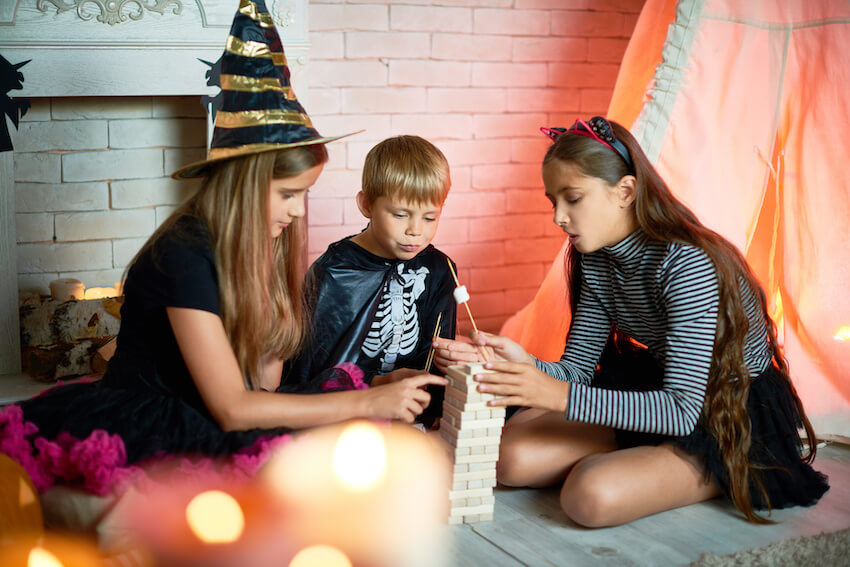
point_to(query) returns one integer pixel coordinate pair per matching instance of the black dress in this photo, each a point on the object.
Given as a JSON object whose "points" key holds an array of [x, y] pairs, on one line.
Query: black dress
{"points": [[147, 397]]}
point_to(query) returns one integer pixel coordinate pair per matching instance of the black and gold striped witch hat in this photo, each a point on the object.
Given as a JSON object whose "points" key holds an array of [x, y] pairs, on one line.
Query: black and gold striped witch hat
{"points": [[258, 111]]}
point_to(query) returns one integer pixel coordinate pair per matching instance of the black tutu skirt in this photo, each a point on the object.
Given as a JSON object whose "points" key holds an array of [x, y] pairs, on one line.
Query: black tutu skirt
{"points": [[149, 423], [776, 449]]}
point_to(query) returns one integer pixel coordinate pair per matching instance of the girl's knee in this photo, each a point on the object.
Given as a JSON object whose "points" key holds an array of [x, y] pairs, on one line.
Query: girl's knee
{"points": [[515, 462], [587, 499]]}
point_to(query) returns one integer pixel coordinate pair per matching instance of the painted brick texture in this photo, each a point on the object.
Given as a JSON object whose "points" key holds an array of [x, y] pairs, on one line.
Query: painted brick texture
{"points": [[477, 78], [92, 182]]}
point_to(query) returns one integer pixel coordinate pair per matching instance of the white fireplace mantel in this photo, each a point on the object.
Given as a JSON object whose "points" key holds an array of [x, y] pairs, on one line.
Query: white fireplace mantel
{"points": [[113, 48]]}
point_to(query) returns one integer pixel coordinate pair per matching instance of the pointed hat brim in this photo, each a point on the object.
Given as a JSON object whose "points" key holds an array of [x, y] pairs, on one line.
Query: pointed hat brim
{"points": [[218, 155]]}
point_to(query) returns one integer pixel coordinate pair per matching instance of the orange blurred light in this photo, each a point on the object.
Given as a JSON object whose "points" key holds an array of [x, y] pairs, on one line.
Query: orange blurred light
{"points": [[40, 557], [320, 556], [360, 457], [215, 517], [843, 333]]}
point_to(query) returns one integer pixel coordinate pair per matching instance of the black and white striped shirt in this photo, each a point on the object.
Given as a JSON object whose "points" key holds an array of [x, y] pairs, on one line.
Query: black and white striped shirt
{"points": [[664, 295]]}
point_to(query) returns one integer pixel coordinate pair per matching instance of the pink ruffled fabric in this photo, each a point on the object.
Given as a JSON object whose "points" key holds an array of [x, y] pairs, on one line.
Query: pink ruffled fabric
{"points": [[351, 378], [98, 463]]}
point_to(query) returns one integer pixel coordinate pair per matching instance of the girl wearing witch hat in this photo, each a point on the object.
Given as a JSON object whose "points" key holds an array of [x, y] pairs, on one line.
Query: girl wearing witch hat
{"points": [[212, 303]]}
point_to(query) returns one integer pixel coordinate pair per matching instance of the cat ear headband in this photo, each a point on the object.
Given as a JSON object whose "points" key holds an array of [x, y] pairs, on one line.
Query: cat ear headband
{"points": [[597, 128]]}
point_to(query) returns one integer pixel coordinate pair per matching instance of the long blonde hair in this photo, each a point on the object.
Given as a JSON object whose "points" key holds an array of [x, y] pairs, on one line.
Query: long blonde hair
{"points": [[259, 279], [662, 217]]}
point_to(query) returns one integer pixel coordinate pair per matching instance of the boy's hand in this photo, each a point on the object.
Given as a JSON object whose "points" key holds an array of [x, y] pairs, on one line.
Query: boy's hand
{"points": [[448, 352], [396, 375], [402, 400], [505, 348]]}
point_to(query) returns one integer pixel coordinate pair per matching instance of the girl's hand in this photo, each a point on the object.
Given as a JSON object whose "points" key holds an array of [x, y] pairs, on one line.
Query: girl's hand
{"points": [[402, 400], [523, 385]]}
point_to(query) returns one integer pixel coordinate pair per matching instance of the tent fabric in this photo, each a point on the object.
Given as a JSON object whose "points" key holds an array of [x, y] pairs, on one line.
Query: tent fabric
{"points": [[743, 110]]}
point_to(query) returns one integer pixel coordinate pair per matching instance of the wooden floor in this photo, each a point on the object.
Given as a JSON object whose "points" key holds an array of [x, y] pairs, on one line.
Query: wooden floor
{"points": [[529, 528]]}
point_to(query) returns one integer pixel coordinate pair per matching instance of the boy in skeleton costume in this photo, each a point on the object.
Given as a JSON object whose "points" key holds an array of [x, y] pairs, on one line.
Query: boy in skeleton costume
{"points": [[376, 296]]}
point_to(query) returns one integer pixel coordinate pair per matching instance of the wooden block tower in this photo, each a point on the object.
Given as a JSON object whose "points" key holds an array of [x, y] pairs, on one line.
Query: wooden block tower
{"points": [[473, 430]]}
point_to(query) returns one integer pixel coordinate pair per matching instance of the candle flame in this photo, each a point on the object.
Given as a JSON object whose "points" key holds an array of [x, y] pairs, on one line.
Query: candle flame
{"points": [[215, 517], [40, 557], [320, 556], [843, 333], [360, 457], [99, 292]]}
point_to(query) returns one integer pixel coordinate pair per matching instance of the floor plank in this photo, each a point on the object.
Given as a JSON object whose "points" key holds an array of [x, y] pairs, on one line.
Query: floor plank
{"points": [[530, 529]]}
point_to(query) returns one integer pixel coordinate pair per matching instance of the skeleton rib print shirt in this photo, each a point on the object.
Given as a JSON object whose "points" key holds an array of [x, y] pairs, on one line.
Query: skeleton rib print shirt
{"points": [[395, 328], [375, 312]]}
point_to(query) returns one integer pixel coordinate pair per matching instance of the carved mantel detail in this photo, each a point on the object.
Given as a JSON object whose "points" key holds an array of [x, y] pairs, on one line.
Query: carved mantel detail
{"points": [[112, 11], [283, 12]]}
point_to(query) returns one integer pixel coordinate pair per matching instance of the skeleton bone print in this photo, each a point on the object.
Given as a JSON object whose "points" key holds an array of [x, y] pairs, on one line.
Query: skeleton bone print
{"points": [[395, 329]]}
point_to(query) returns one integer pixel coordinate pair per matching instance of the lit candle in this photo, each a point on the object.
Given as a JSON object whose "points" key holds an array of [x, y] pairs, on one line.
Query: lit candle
{"points": [[377, 493], [213, 522], [50, 550], [100, 292], [66, 289]]}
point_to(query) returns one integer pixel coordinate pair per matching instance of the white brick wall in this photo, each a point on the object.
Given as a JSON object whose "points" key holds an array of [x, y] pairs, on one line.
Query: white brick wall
{"points": [[477, 77], [92, 182]]}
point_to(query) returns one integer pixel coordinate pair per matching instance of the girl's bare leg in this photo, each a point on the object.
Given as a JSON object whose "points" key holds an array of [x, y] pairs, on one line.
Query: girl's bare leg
{"points": [[539, 447], [618, 487]]}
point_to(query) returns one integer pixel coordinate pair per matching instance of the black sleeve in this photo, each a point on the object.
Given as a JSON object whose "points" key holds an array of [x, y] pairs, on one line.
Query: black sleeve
{"points": [[186, 273]]}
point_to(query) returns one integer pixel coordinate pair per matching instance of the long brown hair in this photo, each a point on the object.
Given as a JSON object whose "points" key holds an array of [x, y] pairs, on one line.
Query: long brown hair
{"points": [[259, 279], [662, 217]]}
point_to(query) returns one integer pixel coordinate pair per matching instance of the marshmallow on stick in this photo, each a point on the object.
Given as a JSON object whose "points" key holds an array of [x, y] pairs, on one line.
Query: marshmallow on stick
{"points": [[461, 296]]}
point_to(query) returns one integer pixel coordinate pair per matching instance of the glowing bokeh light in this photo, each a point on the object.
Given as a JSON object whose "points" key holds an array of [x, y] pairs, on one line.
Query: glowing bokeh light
{"points": [[843, 333], [215, 517], [360, 456], [40, 557], [320, 556]]}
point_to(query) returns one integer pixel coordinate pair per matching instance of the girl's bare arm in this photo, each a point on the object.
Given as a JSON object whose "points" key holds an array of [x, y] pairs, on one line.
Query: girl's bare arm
{"points": [[215, 371]]}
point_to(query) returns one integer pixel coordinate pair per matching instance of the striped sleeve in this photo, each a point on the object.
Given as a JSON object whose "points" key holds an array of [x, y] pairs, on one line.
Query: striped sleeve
{"points": [[587, 337], [689, 295]]}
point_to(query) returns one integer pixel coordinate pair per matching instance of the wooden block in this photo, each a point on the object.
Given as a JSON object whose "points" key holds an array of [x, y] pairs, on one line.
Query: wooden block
{"points": [[458, 414], [470, 442], [469, 510], [454, 432], [471, 493], [482, 458], [475, 475], [462, 452]]}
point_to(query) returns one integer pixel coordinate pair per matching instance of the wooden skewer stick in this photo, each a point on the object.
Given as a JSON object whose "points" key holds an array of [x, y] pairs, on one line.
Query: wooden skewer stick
{"points": [[465, 303], [430, 359], [468, 310]]}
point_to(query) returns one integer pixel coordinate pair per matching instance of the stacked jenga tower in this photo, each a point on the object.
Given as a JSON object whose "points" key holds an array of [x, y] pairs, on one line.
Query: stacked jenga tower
{"points": [[473, 429]]}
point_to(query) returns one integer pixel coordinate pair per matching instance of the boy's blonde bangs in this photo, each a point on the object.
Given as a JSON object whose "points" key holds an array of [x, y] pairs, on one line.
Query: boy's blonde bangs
{"points": [[408, 168]]}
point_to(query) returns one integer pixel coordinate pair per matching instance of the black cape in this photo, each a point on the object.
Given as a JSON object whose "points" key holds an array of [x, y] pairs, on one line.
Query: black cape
{"points": [[377, 313]]}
